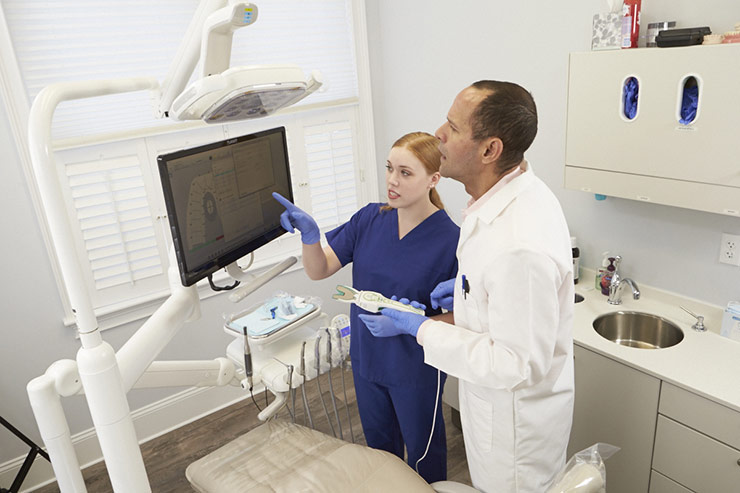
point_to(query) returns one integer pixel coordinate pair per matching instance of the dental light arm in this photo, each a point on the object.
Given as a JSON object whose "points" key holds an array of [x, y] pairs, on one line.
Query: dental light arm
{"points": [[186, 58], [224, 94], [218, 33]]}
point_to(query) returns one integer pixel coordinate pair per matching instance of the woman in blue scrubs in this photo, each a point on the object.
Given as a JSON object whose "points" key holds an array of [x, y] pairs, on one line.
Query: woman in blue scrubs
{"points": [[405, 248]]}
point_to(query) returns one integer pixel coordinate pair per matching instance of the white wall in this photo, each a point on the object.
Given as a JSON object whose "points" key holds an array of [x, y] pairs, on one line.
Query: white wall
{"points": [[32, 335], [424, 52]]}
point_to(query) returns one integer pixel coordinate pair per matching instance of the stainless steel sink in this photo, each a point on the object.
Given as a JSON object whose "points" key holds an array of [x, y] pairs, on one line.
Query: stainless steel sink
{"points": [[638, 330]]}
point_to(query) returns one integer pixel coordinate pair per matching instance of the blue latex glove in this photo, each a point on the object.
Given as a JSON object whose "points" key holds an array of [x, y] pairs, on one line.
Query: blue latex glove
{"points": [[689, 104], [293, 217], [380, 325], [631, 93], [443, 295], [394, 322]]}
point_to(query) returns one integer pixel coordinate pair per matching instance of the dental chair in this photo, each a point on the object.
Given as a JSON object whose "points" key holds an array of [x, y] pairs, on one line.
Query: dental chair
{"points": [[281, 456]]}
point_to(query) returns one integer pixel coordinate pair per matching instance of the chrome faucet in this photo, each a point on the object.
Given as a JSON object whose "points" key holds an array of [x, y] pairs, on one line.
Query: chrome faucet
{"points": [[617, 282]]}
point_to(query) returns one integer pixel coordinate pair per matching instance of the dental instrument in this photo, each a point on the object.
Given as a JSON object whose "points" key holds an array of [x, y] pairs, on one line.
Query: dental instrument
{"points": [[306, 408], [292, 390], [331, 385], [293, 393], [338, 332], [317, 363], [371, 301], [247, 360]]}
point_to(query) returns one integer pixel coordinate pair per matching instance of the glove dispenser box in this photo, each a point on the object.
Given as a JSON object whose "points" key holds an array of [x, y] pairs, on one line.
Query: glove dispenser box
{"points": [[655, 154]]}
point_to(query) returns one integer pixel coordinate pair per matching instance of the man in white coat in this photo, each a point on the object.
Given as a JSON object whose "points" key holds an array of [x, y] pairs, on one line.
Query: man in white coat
{"points": [[511, 345]]}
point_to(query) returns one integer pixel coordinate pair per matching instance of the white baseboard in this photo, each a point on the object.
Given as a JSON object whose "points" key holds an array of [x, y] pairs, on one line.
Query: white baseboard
{"points": [[150, 421]]}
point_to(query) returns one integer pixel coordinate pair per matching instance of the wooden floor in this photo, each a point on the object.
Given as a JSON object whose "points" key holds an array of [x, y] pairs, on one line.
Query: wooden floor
{"points": [[166, 457]]}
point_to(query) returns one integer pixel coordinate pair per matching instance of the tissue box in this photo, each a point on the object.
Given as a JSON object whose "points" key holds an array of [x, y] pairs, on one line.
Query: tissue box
{"points": [[607, 31]]}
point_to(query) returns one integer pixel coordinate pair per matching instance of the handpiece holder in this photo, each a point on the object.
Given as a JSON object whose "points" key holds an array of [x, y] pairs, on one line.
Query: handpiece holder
{"points": [[699, 325]]}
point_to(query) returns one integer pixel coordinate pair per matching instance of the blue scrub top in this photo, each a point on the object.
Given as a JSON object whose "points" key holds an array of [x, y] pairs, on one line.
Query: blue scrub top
{"points": [[408, 268]]}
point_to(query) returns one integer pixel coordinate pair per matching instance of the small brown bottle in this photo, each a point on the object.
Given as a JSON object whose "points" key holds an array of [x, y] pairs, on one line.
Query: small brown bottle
{"points": [[576, 258]]}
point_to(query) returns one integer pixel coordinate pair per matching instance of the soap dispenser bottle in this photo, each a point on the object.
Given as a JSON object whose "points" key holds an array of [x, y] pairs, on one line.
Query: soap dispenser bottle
{"points": [[602, 270], [606, 278]]}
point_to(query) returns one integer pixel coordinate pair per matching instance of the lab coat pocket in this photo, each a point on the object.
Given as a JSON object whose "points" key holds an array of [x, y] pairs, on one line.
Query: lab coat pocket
{"points": [[477, 419], [467, 314]]}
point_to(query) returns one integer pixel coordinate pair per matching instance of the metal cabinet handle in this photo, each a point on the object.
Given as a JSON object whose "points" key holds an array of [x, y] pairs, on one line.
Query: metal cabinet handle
{"points": [[738, 462]]}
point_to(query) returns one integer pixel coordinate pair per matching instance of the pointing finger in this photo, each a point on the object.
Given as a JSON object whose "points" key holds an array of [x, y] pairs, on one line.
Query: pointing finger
{"points": [[285, 202]]}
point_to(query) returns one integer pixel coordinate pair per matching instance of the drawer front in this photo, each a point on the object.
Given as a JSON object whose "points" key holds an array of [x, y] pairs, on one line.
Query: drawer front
{"points": [[662, 484], [710, 418], [695, 460]]}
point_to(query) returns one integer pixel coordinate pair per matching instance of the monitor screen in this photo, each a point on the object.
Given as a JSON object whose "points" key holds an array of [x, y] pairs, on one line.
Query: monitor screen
{"points": [[219, 199]]}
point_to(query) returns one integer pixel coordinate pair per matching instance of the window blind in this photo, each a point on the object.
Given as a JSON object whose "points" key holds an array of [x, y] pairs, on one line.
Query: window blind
{"points": [[331, 172], [111, 203]]}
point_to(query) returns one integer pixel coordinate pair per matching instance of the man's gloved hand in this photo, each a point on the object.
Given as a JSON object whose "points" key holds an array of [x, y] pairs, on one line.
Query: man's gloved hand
{"points": [[443, 295], [393, 322], [293, 217]]}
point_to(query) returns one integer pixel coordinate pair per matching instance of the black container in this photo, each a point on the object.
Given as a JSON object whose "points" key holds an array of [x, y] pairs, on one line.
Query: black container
{"points": [[681, 37]]}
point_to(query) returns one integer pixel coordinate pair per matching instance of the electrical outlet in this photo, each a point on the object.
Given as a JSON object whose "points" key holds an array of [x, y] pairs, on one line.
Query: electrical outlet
{"points": [[729, 252]]}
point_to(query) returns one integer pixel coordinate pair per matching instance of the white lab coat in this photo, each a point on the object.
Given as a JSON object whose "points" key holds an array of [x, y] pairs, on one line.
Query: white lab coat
{"points": [[511, 345]]}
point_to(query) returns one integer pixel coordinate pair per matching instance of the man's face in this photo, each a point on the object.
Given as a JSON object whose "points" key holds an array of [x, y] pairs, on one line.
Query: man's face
{"points": [[460, 153]]}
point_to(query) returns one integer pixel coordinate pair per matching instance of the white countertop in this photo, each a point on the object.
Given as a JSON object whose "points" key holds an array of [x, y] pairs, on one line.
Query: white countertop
{"points": [[703, 362]]}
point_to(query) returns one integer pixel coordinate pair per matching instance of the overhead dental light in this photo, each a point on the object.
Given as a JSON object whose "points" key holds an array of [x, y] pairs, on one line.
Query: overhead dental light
{"points": [[224, 94]]}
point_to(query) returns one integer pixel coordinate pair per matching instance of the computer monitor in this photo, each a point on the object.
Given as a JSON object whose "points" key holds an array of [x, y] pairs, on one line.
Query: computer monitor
{"points": [[219, 199]]}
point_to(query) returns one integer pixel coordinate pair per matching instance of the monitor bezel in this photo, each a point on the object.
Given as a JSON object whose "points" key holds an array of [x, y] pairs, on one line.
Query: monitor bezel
{"points": [[190, 275]]}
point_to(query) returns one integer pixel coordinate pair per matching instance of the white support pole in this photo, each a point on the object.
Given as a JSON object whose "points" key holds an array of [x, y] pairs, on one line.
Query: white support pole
{"points": [[96, 360], [47, 408], [111, 417], [42, 157]]}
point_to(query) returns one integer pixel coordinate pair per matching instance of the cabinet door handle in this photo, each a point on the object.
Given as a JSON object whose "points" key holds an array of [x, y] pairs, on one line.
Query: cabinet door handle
{"points": [[738, 462]]}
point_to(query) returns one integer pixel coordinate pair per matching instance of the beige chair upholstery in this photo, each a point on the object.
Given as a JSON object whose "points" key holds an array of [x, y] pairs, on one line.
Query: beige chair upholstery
{"points": [[280, 456]]}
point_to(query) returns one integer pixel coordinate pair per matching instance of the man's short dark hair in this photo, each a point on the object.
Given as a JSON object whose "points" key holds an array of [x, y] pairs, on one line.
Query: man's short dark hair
{"points": [[509, 113]]}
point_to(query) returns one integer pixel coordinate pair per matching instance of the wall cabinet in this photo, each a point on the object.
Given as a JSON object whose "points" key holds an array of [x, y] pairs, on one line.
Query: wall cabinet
{"points": [[653, 156], [618, 405], [671, 440]]}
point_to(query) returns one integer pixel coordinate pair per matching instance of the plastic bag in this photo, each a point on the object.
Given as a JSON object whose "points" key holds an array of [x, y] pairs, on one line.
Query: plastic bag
{"points": [[585, 471]]}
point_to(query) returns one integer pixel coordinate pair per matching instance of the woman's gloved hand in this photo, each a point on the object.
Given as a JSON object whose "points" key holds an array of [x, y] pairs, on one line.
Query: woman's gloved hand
{"points": [[393, 322], [443, 295], [293, 217], [380, 325]]}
